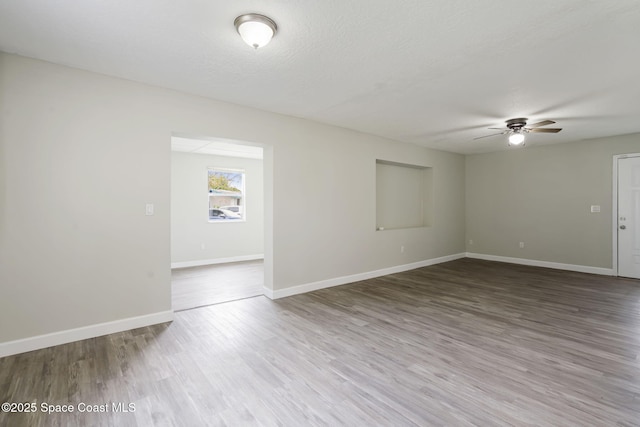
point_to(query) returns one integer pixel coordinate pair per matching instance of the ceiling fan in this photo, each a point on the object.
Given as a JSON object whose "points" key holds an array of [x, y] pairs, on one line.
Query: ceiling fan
{"points": [[517, 128]]}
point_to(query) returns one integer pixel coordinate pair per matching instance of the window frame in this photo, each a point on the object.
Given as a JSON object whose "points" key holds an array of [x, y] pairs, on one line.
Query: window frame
{"points": [[242, 199]]}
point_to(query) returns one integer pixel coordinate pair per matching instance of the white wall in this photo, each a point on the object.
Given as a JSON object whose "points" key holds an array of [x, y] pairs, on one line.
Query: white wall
{"points": [[542, 196], [95, 149], [190, 228]]}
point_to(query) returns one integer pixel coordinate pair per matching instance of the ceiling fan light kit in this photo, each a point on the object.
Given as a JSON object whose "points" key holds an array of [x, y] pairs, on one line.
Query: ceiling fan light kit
{"points": [[516, 138], [517, 128]]}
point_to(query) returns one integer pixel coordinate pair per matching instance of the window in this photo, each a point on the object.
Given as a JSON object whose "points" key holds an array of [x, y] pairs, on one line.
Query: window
{"points": [[226, 195], [403, 195]]}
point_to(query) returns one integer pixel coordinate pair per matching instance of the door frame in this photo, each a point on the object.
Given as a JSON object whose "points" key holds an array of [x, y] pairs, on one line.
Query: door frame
{"points": [[268, 200], [614, 209]]}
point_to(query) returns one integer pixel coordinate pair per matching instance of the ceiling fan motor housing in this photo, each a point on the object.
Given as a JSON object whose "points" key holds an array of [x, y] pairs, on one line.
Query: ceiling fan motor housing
{"points": [[516, 124]]}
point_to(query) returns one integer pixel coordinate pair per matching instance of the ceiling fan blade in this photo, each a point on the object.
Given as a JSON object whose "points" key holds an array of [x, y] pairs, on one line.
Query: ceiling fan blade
{"points": [[487, 136], [499, 129], [542, 123], [546, 130]]}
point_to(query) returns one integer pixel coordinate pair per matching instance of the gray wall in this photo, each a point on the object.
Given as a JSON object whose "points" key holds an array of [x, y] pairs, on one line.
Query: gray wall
{"points": [[542, 196], [82, 153], [190, 227]]}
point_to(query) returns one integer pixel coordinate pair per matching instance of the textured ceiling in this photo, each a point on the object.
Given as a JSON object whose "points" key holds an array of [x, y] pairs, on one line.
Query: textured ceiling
{"points": [[430, 72]]}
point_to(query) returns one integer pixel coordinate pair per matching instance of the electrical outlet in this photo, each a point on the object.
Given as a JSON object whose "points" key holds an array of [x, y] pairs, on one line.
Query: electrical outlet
{"points": [[470, 242], [521, 244], [401, 249]]}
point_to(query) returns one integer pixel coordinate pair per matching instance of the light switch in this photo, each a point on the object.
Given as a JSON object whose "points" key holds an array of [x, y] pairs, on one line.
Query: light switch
{"points": [[595, 208], [149, 209]]}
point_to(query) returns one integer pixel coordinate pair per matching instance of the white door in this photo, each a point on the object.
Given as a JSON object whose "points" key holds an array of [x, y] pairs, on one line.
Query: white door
{"points": [[629, 217]]}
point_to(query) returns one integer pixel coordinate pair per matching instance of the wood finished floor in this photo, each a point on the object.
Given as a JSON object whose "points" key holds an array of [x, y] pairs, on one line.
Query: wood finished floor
{"points": [[213, 284], [462, 343]]}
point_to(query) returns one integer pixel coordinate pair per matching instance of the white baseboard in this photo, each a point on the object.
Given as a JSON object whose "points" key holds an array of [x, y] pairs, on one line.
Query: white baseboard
{"points": [[547, 264], [92, 331], [198, 263], [308, 287], [267, 292]]}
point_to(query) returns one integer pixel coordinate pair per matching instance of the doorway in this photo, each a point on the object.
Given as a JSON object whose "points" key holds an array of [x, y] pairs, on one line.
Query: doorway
{"points": [[626, 221], [217, 258]]}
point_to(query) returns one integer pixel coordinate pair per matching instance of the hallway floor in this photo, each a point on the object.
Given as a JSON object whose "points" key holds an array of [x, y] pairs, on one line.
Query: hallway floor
{"points": [[212, 284]]}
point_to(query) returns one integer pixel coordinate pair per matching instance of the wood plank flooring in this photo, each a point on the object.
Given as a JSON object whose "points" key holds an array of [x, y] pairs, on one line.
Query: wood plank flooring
{"points": [[212, 284], [463, 343]]}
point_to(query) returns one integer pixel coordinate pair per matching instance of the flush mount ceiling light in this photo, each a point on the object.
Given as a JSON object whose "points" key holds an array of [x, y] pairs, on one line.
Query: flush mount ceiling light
{"points": [[255, 29]]}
